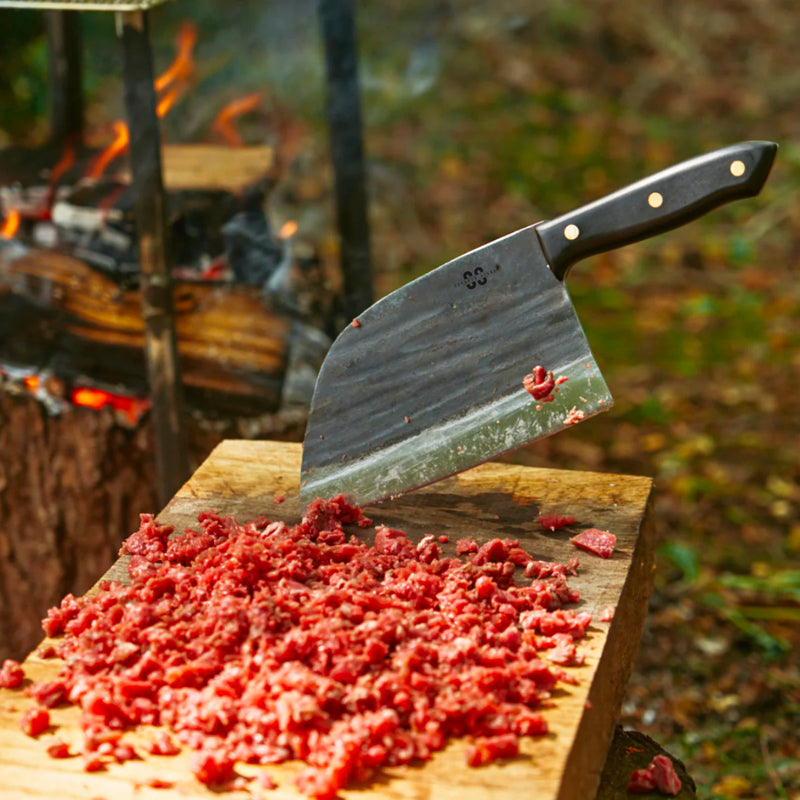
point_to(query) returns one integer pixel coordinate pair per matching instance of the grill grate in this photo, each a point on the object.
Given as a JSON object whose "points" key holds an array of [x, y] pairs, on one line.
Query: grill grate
{"points": [[83, 5]]}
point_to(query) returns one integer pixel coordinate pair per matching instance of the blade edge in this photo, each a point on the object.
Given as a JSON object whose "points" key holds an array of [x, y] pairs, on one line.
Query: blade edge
{"points": [[457, 444]]}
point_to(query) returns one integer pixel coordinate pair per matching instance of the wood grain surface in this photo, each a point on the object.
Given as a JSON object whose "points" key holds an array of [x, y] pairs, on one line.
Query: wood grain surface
{"points": [[245, 478]]}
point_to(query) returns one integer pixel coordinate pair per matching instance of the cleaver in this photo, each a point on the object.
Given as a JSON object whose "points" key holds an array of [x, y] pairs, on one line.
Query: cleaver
{"points": [[486, 354]]}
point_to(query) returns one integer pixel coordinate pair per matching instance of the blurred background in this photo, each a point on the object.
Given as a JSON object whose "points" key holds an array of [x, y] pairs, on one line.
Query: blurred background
{"points": [[478, 118]]}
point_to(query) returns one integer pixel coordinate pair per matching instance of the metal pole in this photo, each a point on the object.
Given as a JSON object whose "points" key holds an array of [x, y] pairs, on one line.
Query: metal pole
{"points": [[347, 151], [172, 460], [65, 75]]}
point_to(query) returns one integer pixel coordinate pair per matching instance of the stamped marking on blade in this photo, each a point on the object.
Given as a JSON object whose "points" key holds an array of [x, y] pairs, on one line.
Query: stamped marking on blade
{"points": [[476, 278], [461, 443]]}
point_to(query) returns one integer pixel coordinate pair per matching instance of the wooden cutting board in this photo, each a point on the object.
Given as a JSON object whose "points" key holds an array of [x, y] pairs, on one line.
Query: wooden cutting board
{"points": [[246, 478]]}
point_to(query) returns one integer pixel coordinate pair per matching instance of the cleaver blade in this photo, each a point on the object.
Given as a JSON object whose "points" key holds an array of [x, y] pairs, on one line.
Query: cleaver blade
{"points": [[428, 381]]}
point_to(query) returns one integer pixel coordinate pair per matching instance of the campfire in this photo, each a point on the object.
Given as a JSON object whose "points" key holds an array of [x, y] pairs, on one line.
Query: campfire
{"points": [[253, 308]]}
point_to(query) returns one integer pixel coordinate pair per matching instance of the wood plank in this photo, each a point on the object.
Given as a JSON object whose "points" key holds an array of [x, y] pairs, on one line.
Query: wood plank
{"points": [[244, 478], [208, 166], [25, 171]]}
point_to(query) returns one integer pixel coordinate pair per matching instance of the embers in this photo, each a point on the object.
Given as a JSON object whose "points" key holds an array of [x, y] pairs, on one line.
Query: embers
{"points": [[57, 395]]}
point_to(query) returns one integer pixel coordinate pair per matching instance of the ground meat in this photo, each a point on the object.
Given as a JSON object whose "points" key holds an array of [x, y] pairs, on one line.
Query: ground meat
{"points": [[212, 767], [11, 674], [593, 540], [574, 416], [124, 752], [266, 781], [35, 721], [93, 763], [58, 749], [552, 522], [464, 546], [659, 775], [163, 746], [563, 649], [489, 748], [551, 569], [49, 693], [261, 642], [157, 783], [540, 384]]}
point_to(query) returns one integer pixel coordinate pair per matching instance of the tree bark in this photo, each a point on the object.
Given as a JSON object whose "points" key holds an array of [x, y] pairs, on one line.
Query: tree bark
{"points": [[71, 489]]}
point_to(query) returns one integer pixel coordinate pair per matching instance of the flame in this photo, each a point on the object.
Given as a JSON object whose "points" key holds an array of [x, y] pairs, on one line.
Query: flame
{"points": [[288, 229], [10, 225], [31, 382], [177, 73], [166, 102], [90, 398], [133, 408], [117, 147], [67, 160], [223, 122], [183, 65]]}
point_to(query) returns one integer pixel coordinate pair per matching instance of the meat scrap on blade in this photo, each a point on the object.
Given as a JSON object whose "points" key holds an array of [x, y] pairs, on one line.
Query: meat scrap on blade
{"points": [[540, 384], [262, 642]]}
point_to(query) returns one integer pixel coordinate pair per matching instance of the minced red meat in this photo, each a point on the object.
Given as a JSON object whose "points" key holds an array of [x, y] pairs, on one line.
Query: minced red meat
{"points": [[593, 540], [552, 522], [261, 642], [11, 674], [574, 416], [551, 569], [163, 745], [58, 749], [35, 721], [659, 775], [486, 749], [158, 783]]}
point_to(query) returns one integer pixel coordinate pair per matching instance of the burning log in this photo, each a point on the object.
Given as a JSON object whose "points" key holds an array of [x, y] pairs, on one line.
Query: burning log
{"points": [[233, 346]]}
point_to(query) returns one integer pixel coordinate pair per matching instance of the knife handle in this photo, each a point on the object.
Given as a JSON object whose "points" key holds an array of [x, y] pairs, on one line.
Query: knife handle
{"points": [[659, 203]]}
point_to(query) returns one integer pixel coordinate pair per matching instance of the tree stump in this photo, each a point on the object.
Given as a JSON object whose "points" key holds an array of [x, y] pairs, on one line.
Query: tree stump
{"points": [[71, 489]]}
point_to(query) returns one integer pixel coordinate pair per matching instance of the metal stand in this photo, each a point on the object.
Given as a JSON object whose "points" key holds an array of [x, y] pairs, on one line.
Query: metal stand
{"points": [[347, 151], [65, 76], [172, 461]]}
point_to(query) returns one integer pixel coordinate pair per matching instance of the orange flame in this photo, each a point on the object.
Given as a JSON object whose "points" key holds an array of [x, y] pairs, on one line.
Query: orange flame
{"points": [[11, 225], [166, 102], [131, 407], [67, 160], [223, 122], [31, 382], [90, 398], [288, 229], [183, 65], [177, 73], [117, 147]]}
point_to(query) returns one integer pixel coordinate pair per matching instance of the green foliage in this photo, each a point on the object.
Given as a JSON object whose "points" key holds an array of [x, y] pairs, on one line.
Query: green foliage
{"points": [[683, 557], [23, 70]]}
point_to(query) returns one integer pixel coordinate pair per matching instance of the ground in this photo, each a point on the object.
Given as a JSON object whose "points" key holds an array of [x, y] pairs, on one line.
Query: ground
{"points": [[483, 117]]}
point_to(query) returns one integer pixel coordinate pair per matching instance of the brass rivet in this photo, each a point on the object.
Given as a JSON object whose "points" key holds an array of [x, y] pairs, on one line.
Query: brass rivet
{"points": [[572, 232], [655, 199], [737, 168]]}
